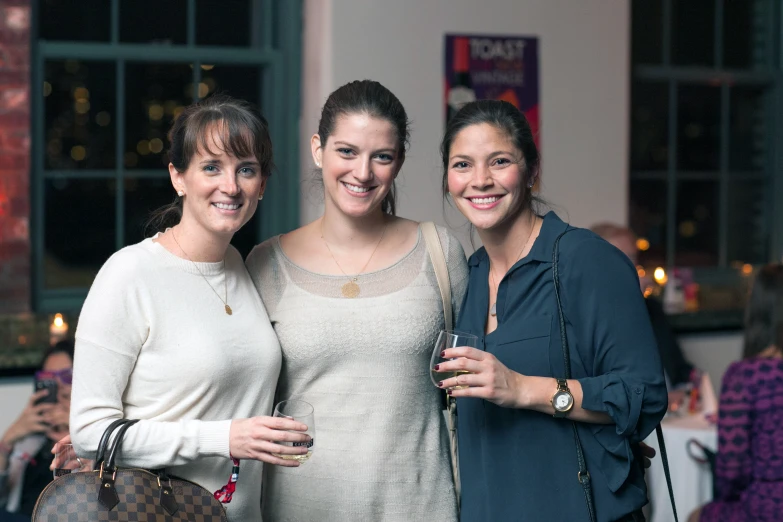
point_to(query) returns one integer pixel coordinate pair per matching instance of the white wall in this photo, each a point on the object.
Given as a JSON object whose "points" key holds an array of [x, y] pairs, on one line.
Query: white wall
{"points": [[584, 53], [712, 352], [14, 393]]}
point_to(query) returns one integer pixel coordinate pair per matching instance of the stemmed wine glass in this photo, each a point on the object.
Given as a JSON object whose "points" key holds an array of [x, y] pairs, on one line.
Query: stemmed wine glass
{"points": [[299, 411], [449, 339]]}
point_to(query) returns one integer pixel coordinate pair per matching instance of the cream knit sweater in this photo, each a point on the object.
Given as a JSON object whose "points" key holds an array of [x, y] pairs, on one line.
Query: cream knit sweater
{"points": [[381, 452], [154, 343]]}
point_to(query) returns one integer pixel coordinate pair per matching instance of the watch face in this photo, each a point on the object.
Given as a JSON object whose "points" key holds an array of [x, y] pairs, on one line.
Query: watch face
{"points": [[563, 401]]}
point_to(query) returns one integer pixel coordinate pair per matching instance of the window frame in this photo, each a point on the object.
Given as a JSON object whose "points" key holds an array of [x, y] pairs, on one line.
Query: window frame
{"points": [[770, 78], [279, 64]]}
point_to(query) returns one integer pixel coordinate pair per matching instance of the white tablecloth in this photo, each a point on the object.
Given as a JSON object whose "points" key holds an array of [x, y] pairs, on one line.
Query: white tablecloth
{"points": [[691, 480]]}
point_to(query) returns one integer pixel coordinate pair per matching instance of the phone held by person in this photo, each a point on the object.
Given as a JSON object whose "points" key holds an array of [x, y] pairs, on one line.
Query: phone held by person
{"points": [[48, 384]]}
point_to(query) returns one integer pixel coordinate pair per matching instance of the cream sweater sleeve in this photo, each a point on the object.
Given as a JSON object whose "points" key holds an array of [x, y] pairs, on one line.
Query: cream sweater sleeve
{"points": [[113, 328]]}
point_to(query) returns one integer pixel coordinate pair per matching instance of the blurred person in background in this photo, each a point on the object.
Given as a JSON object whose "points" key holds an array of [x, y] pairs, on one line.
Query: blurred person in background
{"points": [[749, 463], [679, 372], [25, 448]]}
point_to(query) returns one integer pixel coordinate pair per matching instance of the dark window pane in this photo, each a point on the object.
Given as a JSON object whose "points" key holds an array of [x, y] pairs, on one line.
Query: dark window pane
{"points": [[79, 230], [648, 219], [239, 82], [647, 31], [247, 237], [745, 40], [748, 221], [85, 20], [155, 95], [24, 339], [748, 129], [698, 127], [693, 32], [153, 21], [142, 197], [649, 126], [696, 235], [79, 108], [223, 23]]}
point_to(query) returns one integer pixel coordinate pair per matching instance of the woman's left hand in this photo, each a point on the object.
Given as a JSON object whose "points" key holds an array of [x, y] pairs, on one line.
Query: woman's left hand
{"points": [[487, 379]]}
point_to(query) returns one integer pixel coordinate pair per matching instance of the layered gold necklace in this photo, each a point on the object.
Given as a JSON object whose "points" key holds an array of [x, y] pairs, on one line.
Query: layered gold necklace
{"points": [[225, 275], [351, 288]]}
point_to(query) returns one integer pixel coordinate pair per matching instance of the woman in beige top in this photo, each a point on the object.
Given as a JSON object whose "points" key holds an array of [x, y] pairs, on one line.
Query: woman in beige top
{"points": [[355, 303]]}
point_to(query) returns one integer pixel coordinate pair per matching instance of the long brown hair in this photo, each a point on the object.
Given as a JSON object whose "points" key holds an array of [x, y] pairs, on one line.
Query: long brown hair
{"points": [[764, 313]]}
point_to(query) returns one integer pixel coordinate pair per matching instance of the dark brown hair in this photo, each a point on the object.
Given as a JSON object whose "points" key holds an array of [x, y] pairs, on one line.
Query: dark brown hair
{"points": [[372, 98], [764, 313], [65, 346], [245, 133], [508, 119]]}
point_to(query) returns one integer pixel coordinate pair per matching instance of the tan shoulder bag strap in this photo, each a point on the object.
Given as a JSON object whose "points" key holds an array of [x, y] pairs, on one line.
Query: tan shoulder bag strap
{"points": [[438, 259]]}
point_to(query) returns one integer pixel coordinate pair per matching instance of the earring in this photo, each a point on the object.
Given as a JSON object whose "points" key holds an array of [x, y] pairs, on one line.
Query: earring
{"points": [[318, 164], [180, 193], [260, 197]]}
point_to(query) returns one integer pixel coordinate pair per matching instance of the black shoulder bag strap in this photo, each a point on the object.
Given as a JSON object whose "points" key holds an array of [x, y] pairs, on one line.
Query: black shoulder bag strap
{"points": [[584, 475]]}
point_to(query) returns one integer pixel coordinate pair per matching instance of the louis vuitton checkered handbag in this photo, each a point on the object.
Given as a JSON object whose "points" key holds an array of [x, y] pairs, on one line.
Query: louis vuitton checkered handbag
{"points": [[111, 494]]}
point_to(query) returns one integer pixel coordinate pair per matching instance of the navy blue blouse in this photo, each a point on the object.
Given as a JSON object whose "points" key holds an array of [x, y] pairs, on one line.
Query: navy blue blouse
{"points": [[520, 464]]}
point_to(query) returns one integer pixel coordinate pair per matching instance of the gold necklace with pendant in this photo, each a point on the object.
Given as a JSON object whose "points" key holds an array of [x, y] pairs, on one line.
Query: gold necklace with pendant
{"points": [[351, 288], [225, 275], [493, 310]]}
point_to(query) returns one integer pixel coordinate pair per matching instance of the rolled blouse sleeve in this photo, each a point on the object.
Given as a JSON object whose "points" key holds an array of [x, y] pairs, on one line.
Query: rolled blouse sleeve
{"points": [[614, 337]]}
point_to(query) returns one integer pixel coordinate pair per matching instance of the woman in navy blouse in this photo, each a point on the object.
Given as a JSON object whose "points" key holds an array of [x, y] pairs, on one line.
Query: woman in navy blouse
{"points": [[518, 457]]}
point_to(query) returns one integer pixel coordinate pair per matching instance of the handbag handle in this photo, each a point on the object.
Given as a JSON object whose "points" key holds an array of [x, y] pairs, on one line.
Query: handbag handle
{"points": [[107, 495], [99, 455], [583, 475], [117, 442]]}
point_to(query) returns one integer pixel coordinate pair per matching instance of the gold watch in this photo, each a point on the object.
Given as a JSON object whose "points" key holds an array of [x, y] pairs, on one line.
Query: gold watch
{"points": [[562, 400]]}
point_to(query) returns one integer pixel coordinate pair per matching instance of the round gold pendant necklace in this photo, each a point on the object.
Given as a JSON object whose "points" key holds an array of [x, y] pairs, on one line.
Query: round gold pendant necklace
{"points": [[225, 276], [351, 288]]}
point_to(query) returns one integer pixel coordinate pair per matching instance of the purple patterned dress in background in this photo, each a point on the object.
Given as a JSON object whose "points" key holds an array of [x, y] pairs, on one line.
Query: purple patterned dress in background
{"points": [[749, 470]]}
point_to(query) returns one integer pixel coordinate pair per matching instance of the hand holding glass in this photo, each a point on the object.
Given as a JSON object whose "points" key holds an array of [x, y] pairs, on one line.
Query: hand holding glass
{"points": [[66, 461], [299, 411], [449, 339]]}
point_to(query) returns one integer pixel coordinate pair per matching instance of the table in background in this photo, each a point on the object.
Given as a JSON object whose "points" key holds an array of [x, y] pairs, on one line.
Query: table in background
{"points": [[691, 480]]}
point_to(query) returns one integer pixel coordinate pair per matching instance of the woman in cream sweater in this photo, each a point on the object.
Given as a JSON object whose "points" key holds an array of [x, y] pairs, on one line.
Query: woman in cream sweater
{"points": [[173, 331]]}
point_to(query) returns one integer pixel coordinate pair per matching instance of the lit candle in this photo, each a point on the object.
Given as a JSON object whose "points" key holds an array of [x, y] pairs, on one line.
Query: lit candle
{"points": [[660, 276], [58, 330]]}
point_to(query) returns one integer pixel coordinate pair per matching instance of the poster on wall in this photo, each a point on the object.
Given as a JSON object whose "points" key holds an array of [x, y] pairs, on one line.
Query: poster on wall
{"points": [[492, 67]]}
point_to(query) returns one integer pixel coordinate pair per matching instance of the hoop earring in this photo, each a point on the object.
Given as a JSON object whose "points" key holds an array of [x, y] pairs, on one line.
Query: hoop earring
{"points": [[260, 197]]}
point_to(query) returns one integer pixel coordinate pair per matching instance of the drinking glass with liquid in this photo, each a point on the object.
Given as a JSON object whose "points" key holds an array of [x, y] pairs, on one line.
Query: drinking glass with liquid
{"points": [[449, 339], [66, 461], [299, 411]]}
